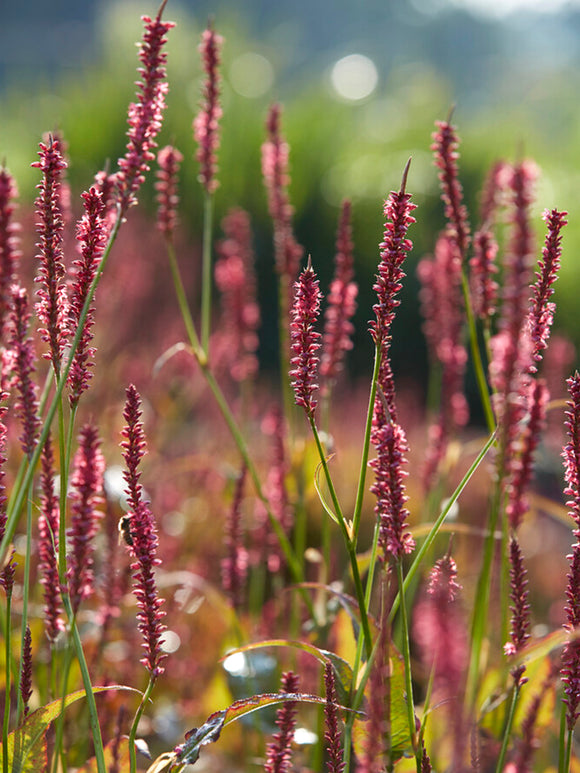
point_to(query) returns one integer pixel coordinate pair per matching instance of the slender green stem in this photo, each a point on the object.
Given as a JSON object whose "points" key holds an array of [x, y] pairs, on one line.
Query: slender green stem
{"points": [[407, 657], [508, 727], [366, 447], [565, 745], [25, 597], [206, 272], [8, 655], [348, 539], [182, 300], [476, 356], [59, 723], [133, 731]]}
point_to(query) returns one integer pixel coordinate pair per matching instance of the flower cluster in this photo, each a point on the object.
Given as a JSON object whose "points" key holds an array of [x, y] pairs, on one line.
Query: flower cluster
{"points": [[278, 754], [305, 340], [168, 159], [445, 144], [22, 350], [9, 242], [205, 125]]}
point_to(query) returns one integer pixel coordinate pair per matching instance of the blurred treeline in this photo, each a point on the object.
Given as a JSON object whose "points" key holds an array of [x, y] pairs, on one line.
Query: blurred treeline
{"points": [[338, 149]]}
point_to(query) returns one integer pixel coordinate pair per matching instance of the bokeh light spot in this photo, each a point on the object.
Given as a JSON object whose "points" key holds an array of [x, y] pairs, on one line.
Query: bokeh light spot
{"points": [[251, 75], [354, 77]]}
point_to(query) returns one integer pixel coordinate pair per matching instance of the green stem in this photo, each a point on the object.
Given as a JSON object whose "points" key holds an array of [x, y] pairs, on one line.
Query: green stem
{"points": [[508, 728], [366, 447], [206, 272], [565, 744], [8, 655], [348, 537], [407, 658], [284, 287], [182, 300], [25, 597], [133, 731]]}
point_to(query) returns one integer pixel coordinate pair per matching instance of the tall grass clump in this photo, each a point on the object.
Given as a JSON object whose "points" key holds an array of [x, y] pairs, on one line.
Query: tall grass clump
{"points": [[284, 576]]}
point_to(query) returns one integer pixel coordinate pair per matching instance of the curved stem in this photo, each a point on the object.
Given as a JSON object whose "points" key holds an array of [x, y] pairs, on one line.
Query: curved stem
{"points": [[133, 731]]}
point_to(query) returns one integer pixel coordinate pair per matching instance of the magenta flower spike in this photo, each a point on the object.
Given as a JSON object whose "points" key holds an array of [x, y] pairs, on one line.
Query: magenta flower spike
{"points": [[9, 243], [483, 286], [169, 160], [520, 607], [445, 145], [23, 352], [332, 734], [235, 564], [571, 656], [305, 340], [146, 114], [338, 328], [52, 307], [48, 524], [541, 312], [393, 251], [236, 280], [492, 193], [144, 540], [275, 152], [279, 752], [205, 125], [92, 236], [85, 496], [26, 671]]}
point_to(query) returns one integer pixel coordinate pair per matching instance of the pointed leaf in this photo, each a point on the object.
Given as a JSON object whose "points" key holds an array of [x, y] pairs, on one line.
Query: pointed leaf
{"points": [[323, 501]]}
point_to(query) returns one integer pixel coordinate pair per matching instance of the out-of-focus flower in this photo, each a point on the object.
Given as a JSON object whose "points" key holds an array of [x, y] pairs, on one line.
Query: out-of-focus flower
{"points": [[9, 242], [445, 145], [168, 159], [205, 125]]}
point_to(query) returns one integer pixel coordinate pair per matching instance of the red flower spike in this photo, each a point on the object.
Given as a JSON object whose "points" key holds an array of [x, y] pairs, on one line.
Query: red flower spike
{"points": [[305, 340], [26, 670], [145, 115], [332, 734], [9, 243], [169, 160], [23, 352], [52, 308], [278, 754], [235, 565], [205, 125], [520, 607], [483, 267], [48, 525]]}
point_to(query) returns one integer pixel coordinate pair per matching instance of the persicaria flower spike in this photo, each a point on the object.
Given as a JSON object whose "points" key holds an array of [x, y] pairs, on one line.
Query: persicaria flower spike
{"points": [[235, 565], [86, 495], [9, 242], [542, 310], [393, 251], [52, 307], [304, 339], [144, 538], [169, 160], [145, 115], [520, 608], [445, 147], [205, 125], [92, 236], [23, 352], [26, 670], [338, 328], [332, 734], [278, 754], [48, 524]]}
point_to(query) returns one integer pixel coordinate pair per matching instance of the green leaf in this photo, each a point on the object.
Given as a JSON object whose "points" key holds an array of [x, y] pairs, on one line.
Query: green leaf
{"points": [[342, 669], [27, 744], [323, 501], [210, 731]]}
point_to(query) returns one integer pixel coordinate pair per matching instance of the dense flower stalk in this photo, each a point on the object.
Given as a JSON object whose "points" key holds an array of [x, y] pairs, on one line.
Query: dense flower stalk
{"points": [[236, 280], [26, 670], [278, 754], [169, 160], [52, 307], [541, 312], [86, 489], [9, 242], [332, 735], [483, 286], [338, 328], [445, 147], [492, 193], [305, 340], [144, 540], [235, 565], [23, 353], [275, 152], [520, 607], [571, 655], [7, 573], [521, 466], [144, 115], [48, 525], [92, 236], [205, 125], [393, 250]]}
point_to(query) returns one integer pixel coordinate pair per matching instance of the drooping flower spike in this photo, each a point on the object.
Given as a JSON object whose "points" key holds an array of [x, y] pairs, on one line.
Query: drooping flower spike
{"points": [[145, 115], [205, 125], [305, 339]]}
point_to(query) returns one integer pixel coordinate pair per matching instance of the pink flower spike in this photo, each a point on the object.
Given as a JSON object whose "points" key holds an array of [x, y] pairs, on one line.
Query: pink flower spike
{"points": [[205, 125], [48, 524], [23, 352], [92, 235], [134, 446], [145, 115], [26, 671], [332, 734], [541, 312], [9, 243], [520, 608], [445, 147], [86, 495], [393, 251], [304, 339], [168, 159], [338, 328], [483, 267], [52, 308], [235, 565], [278, 754]]}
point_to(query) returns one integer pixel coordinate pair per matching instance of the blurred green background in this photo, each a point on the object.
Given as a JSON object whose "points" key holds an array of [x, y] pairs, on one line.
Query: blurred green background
{"points": [[361, 83]]}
